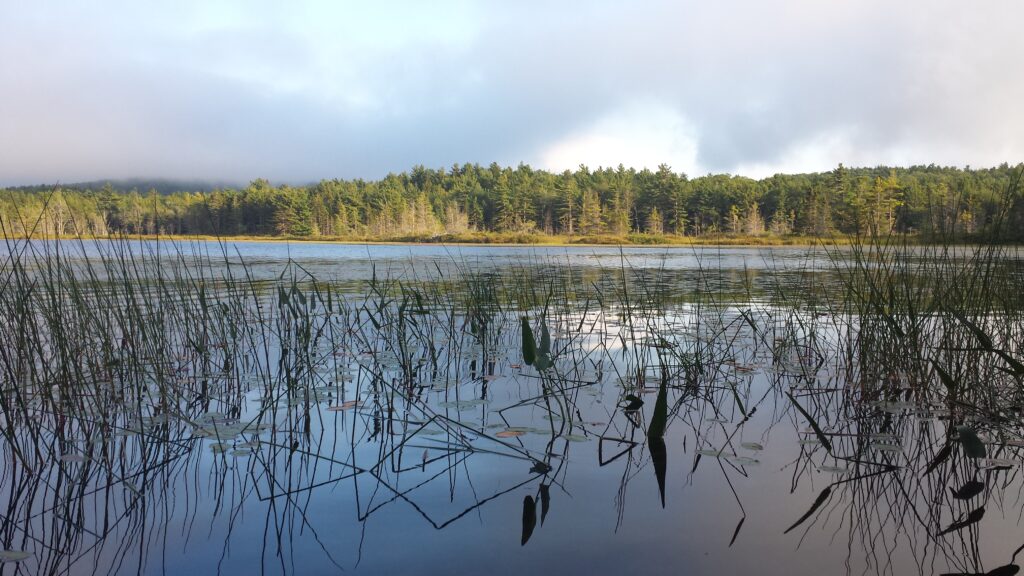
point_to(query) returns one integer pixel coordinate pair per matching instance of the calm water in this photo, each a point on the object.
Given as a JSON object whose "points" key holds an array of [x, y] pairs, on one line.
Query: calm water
{"points": [[417, 442]]}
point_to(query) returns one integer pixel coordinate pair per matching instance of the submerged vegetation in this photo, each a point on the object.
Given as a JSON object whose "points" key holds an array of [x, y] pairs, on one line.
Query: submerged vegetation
{"points": [[152, 398], [472, 203]]}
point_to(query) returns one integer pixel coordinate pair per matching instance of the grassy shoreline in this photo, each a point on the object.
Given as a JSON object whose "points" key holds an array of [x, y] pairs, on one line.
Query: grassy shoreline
{"points": [[504, 240]]}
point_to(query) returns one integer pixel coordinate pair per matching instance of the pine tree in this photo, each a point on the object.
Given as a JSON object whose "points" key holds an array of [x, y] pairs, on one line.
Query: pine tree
{"points": [[590, 213], [655, 222]]}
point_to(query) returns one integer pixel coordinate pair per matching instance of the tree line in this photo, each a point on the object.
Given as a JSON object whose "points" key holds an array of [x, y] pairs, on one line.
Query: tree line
{"points": [[931, 201]]}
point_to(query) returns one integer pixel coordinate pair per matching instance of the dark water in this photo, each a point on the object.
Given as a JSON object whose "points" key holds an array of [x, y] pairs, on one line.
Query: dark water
{"points": [[378, 456]]}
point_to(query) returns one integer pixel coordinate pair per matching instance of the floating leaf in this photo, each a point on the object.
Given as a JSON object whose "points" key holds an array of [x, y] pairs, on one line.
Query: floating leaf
{"points": [[14, 555], [540, 468], [545, 501], [941, 457], [973, 446], [999, 463], [821, 499], [510, 433], [529, 518], [972, 518], [752, 446], [529, 346], [969, 490], [834, 469], [545, 338], [633, 403], [659, 420], [736, 532], [344, 406], [659, 457], [885, 447], [814, 424]]}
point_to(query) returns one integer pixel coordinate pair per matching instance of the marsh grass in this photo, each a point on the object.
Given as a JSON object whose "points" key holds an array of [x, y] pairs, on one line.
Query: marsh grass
{"points": [[123, 371]]}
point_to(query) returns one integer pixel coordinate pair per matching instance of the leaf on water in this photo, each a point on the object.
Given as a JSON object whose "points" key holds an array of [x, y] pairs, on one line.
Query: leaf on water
{"points": [[633, 403], [969, 490], [660, 418], [529, 519], [540, 468], [14, 555], [545, 338], [999, 463], [972, 518], [344, 406], [834, 469], [752, 446], [814, 424], [545, 502], [821, 499], [659, 457], [529, 345], [510, 433], [973, 446], [736, 532], [941, 457], [463, 404], [886, 447]]}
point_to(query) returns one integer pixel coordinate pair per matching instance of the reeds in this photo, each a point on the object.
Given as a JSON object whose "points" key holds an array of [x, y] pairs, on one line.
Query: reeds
{"points": [[127, 366]]}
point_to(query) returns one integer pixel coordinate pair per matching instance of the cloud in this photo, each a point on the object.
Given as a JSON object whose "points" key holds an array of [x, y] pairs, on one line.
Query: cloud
{"points": [[642, 135], [239, 90]]}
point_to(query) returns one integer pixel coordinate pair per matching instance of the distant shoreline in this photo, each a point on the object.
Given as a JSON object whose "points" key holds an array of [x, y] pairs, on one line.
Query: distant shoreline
{"points": [[537, 241], [496, 241]]}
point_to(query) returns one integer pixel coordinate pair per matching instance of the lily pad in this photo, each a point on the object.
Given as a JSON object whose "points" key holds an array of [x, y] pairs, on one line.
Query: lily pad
{"points": [[14, 555]]}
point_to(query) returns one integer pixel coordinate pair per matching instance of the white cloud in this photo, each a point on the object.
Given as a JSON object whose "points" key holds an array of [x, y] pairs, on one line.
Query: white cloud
{"points": [[313, 89], [641, 135]]}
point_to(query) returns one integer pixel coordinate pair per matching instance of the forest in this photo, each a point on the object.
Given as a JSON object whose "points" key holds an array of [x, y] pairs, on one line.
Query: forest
{"points": [[522, 204]]}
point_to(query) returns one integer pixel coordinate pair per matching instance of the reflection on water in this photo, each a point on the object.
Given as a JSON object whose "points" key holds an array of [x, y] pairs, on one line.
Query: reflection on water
{"points": [[653, 418]]}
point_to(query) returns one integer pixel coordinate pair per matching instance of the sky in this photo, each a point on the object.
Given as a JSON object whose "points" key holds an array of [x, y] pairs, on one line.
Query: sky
{"points": [[299, 91]]}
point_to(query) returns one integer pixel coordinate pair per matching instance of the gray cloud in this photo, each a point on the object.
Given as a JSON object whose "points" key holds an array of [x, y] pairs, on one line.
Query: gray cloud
{"points": [[326, 91]]}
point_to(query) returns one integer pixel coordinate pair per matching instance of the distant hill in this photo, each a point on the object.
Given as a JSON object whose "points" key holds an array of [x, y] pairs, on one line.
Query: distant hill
{"points": [[161, 185]]}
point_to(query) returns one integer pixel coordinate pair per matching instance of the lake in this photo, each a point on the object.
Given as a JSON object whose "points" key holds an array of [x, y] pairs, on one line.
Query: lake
{"points": [[275, 408]]}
